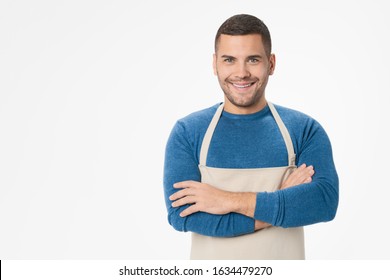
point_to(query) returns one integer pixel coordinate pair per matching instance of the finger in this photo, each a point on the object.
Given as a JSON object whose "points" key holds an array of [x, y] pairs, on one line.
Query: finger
{"points": [[300, 175], [302, 166], [310, 168], [296, 176], [181, 193], [304, 179], [303, 170], [309, 172], [308, 180], [184, 184], [184, 201], [190, 210], [306, 173]]}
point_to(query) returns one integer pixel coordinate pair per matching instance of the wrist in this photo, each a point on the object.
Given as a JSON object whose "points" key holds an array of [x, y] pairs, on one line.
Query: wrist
{"points": [[260, 225], [244, 203]]}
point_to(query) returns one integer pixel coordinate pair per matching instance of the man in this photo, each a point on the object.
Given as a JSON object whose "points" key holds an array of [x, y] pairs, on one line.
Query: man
{"points": [[230, 173]]}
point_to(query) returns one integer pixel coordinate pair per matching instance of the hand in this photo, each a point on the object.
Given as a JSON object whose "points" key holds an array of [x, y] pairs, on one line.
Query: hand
{"points": [[261, 225], [206, 198], [303, 174]]}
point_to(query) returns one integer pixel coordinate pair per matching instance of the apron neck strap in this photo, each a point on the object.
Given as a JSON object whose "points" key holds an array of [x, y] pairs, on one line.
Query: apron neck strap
{"points": [[213, 124], [285, 134], [209, 133]]}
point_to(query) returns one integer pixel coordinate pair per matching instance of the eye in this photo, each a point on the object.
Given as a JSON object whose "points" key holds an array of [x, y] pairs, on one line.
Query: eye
{"points": [[253, 60], [228, 60]]}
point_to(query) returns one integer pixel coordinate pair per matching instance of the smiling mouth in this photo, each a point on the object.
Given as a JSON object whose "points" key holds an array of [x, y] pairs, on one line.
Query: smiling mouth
{"points": [[243, 85]]}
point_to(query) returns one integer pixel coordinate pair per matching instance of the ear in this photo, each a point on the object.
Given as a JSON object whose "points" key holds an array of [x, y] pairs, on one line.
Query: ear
{"points": [[272, 61], [215, 64]]}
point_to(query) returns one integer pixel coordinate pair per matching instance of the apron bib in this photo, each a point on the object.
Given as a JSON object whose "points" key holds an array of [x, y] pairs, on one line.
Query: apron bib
{"points": [[271, 243]]}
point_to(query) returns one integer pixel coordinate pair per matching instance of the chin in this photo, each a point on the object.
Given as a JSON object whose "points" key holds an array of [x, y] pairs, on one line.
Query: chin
{"points": [[242, 103]]}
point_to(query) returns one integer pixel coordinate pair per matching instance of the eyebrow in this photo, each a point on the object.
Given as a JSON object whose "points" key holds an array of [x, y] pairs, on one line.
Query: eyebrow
{"points": [[250, 57], [227, 56], [255, 56]]}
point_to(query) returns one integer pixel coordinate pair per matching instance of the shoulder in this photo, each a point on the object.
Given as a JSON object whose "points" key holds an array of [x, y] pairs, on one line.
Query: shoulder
{"points": [[291, 114], [295, 118], [198, 120], [192, 127], [301, 126], [201, 115]]}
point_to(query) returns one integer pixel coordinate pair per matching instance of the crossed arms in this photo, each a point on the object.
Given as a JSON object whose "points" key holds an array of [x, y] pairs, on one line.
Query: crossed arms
{"points": [[304, 198], [206, 198]]}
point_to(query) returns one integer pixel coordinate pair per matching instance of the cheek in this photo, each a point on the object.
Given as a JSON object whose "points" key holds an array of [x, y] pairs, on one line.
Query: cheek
{"points": [[262, 74], [222, 74]]}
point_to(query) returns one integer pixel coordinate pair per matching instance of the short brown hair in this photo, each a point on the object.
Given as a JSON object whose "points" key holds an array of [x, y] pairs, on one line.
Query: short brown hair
{"points": [[244, 24]]}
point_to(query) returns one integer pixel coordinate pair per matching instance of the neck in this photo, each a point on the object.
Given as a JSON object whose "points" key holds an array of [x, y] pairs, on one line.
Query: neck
{"points": [[244, 110]]}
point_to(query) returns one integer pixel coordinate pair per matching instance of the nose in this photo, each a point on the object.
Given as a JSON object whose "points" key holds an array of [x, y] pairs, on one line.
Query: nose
{"points": [[242, 72]]}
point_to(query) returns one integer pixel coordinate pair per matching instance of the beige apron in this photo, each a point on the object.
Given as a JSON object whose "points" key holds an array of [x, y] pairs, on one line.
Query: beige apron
{"points": [[270, 243]]}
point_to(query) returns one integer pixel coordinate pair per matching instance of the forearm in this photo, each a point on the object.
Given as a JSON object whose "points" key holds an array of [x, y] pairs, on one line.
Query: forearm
{"points": [[245, 202], [308, 203], [227, 225], [298, 206], [242, 202], [201, 197], [206, 199], [222, 225]]}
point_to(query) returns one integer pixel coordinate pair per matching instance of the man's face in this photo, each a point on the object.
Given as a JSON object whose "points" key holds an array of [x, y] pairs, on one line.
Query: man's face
{"points": [[242, 67]]}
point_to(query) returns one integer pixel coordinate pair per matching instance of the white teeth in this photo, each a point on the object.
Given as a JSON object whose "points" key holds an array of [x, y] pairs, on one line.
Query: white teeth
{"points": [[242, 86]]}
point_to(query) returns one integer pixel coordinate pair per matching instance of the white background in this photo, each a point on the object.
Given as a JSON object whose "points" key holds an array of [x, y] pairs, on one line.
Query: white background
{"points": [[89, 91]]}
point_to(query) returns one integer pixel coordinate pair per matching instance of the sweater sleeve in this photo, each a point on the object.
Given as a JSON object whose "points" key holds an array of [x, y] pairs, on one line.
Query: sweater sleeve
{"points": [[180, 165], [307, 203]]}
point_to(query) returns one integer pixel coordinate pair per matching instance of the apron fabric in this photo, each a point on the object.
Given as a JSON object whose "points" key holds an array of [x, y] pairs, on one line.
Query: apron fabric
{"points": [[271, 243]]}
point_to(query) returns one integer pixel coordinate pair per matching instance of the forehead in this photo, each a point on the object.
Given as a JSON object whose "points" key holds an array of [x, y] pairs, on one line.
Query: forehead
{"points": [[240, 44]]}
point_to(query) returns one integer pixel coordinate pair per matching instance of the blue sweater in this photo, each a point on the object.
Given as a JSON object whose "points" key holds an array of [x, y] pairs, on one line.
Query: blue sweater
{"points": [[253, 141]]}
